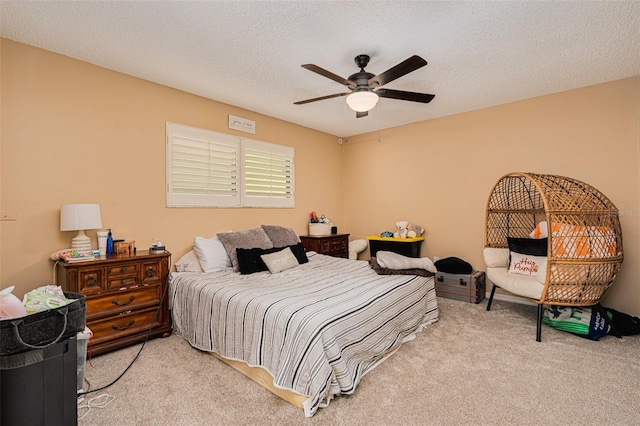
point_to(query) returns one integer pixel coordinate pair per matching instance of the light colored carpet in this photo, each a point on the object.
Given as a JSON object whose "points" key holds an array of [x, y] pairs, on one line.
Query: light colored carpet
{"points": [[472, 367]]}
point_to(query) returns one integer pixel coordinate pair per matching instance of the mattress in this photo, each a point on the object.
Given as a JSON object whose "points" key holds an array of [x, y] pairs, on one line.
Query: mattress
{"points": [[317, 328]]}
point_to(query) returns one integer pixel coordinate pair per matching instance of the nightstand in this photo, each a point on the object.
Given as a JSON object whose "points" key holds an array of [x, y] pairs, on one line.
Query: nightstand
{"points": [[123, 294], [336, 245]]}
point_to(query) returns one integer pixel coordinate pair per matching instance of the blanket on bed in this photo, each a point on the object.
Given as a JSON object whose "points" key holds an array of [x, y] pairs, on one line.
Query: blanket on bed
{"points": [[317, 328], [373, 262], [391, 260]]}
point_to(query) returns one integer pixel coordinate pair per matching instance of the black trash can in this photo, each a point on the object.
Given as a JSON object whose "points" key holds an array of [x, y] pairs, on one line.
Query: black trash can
{"points": [[39, 387]]}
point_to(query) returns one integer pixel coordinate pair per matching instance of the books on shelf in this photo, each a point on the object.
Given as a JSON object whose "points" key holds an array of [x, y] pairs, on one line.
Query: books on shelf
{"points": [[76, 256]]}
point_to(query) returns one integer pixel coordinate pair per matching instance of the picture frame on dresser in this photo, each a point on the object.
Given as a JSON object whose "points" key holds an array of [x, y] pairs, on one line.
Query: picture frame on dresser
{"points": [[125, 297]]}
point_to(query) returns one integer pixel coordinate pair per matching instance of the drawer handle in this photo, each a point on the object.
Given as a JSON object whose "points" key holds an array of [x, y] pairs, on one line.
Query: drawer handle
{"points": [[123, 269], [124, 282], [115, 327], [151, 272], [115, 301], [91, 281]]}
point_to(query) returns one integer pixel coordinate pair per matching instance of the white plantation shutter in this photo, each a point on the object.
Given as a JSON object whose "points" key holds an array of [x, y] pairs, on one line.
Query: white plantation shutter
{"points": [[267, 174], [211, 169], [203, 168]]}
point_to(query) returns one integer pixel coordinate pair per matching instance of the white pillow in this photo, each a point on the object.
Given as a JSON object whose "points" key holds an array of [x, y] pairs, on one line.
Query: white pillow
{"points": [[496, 257], [211, 254], [280, 260], [526, 264], [540, 231], [542, 271], [189, 263]]}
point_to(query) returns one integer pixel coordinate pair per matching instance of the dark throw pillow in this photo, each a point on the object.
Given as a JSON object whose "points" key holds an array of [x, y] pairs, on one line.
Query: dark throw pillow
{"points": [[453, 265], [249, 260], [531, 246], [299, 252]]}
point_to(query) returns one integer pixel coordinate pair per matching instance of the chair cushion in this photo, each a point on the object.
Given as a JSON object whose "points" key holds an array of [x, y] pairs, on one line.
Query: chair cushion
{"points": [[517, 284], [496, 257]]}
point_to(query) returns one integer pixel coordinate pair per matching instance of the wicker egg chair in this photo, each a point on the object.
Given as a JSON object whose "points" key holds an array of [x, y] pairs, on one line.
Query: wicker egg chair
{"points": [[584, 250]]}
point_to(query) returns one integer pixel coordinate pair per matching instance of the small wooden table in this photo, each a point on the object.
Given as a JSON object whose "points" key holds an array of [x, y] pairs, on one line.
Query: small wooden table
{"points": [[336, 245]]}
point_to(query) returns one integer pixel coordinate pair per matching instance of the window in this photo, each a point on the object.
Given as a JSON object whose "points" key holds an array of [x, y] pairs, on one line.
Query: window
{"points": [[211, 169]]}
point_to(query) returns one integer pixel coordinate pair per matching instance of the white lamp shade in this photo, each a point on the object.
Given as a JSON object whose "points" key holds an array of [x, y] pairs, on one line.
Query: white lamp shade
{"points": [[78, 217], [362, 101]]}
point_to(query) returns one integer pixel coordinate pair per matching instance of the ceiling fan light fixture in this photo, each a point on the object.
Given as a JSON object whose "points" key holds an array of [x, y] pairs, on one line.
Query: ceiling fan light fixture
{"points": [[362, 101]]}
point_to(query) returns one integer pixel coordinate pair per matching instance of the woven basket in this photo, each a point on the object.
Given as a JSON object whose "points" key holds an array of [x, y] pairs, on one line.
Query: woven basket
{"points": [[585, 239]]}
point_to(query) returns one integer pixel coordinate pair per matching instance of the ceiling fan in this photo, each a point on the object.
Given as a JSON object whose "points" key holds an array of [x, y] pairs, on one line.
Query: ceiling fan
{"points": [[366, 88]]}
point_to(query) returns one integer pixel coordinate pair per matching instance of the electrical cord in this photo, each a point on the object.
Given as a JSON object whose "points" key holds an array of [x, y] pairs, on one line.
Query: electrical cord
{"points": [[96, 402], [164, 293]]}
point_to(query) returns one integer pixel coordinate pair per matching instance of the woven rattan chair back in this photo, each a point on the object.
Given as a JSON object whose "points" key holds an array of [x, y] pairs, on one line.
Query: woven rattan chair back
{"points": [[584, 241]]}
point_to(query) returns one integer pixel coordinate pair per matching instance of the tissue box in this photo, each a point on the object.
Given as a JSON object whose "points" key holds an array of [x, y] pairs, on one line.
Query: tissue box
{"points": [[319, 229]]}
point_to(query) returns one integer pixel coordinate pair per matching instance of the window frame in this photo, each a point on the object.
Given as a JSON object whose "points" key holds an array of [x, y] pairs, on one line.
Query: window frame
{"points": [[187, 165]]}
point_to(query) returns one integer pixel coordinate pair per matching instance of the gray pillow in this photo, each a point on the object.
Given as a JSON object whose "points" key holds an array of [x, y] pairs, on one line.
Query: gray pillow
{"points": [[280, 260], [281, 236], [250, 238]]}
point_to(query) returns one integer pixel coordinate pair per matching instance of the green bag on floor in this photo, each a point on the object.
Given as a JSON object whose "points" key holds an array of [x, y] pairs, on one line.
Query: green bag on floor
{"points": [[584, 322]]}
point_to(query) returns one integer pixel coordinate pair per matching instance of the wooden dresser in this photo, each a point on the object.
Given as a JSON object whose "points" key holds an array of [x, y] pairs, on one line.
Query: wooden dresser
{"points": [[123, 295], [336, 245]]}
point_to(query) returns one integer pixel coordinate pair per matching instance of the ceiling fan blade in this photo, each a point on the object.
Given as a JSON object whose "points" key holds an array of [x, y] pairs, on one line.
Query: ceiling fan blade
{"points": [[404, 67], [329, 75], [405, 96], [321, 98], [361, 114]]}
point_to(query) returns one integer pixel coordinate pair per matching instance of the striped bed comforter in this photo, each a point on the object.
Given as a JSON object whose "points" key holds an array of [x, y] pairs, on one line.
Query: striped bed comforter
{"points": [[317, 328]]}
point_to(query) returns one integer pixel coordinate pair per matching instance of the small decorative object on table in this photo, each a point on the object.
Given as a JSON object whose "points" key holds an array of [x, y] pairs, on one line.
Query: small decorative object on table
{"points": [[124, 248], [320, 226], [157, 246]]}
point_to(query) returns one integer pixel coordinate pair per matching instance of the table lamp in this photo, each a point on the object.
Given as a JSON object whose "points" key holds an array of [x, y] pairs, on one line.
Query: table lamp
{"points": [[78, 217]]}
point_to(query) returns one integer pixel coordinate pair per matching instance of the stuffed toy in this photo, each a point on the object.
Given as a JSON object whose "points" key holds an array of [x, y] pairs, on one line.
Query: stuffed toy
{"points": [[402, 229], [414, 231]]}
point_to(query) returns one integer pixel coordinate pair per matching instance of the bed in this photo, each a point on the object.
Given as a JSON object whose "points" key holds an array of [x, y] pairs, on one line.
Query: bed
{"points": [[316, 328]]}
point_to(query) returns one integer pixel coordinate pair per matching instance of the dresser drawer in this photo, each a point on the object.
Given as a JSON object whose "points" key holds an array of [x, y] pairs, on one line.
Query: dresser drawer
{"points": [[122, 281], [90, 280], [333, 245], [121, 325], [338, 244], [115, 303], [151, 272], [122, 269]]}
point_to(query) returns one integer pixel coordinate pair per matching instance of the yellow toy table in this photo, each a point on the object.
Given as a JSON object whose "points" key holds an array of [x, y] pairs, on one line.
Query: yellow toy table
{"points": [[409, 247]]}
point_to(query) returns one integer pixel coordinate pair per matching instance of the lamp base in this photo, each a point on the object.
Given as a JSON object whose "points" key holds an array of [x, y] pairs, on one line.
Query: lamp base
{"points": [[81, 243]]}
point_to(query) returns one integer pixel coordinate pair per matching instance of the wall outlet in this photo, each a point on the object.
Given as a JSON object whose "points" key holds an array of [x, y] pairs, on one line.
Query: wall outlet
{"points": [[8, 215]]}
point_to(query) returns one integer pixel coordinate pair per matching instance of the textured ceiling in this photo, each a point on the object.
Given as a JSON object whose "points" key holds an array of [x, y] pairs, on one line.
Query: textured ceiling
{"points": [[248, 53]]}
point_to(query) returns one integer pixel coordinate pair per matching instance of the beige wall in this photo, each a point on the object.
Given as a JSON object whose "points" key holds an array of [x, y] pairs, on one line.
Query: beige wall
{"points": [[76, 133], [73, 132], [439, 173]]}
